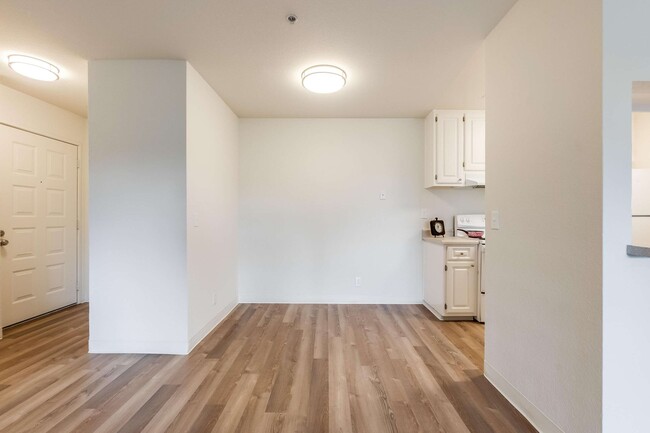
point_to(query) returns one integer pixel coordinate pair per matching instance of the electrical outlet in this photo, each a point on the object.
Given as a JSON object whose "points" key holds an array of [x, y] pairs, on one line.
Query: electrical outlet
{"points": [[357, 282], [382, 196]]}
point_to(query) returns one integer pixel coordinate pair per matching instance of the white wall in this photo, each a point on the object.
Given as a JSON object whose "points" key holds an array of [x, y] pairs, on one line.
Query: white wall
{"points": [[212, 203], [23, 111], [543, 102], [626, 292], [467, 90], [137, 214], [445, 203], [310, 215]]}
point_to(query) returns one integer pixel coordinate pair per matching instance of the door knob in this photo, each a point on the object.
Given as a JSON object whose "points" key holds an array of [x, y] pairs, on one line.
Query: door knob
{"points": [[3, 242]]}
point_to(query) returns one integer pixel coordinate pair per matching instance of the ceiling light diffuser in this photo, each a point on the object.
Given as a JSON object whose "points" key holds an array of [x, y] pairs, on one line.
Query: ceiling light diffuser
{"points": [[34, 68], [324, 79]]}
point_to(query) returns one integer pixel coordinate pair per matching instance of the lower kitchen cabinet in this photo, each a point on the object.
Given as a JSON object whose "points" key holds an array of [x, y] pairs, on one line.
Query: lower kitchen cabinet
{"points": [[461, 288], [450, 277]]}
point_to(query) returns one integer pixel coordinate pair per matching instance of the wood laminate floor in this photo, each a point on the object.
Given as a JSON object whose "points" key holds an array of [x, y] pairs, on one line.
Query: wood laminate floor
{"points": [[266, 368]]}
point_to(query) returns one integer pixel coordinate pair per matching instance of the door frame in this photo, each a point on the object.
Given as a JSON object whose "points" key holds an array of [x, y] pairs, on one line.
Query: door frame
{"points": [[78, 216]]}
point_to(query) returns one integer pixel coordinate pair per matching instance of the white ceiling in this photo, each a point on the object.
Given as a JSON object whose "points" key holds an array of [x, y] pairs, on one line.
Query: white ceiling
{"points": [[398, 54]]}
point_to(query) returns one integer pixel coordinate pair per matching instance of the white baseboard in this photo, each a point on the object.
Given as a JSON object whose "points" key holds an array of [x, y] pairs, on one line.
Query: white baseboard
{"points": [[139, 347], [447, 318], [203, 332], [536, 417], [334, 302]]}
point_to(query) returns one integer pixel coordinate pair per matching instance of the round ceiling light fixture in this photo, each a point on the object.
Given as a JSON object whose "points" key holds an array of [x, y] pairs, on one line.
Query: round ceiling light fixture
{"points": [[34, 68], [324, 79]]}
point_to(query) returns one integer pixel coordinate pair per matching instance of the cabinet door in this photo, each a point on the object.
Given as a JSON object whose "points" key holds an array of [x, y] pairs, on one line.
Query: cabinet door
{"points": [[475, 141], [462, 288], [449, 133]]}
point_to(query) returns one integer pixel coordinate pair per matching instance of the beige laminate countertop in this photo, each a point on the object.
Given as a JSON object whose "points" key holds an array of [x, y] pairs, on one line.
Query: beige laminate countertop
{"points": [[448, 240]]}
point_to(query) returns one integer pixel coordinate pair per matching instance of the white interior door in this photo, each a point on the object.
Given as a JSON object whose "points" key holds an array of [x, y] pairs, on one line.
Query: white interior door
{"points": [[38, 213]]}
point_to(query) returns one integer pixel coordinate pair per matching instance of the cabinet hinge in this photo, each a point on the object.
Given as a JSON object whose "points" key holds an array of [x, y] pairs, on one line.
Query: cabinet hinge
{"points": [[463, 164], [436, 177], [463, 117], [445, 268], [445, 306], [436, 118]]}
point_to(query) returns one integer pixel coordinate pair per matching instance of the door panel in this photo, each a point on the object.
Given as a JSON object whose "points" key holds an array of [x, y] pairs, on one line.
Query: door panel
{"points": [[38, 182], [475, 141], [461, 288]]}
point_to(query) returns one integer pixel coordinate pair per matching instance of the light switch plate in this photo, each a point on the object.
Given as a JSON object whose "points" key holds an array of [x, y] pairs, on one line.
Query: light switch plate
{"points": [[495, 223]]}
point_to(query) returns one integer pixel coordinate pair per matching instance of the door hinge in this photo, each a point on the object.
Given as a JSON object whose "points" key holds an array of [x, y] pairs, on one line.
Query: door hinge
{"points": [[445, 306], [436, 119], [445, 268], [463, 118], [77, 224], [463, 164], [436, 177]]}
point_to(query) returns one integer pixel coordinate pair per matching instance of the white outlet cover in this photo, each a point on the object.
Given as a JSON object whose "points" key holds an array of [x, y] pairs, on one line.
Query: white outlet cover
{"points": [[382, 196]]}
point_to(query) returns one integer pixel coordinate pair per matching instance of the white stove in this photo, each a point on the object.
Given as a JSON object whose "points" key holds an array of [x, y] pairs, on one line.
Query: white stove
{"points": [[473, 226]]}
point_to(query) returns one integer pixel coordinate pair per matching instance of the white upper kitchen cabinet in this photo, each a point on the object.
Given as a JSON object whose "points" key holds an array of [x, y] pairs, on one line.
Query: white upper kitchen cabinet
{"points": [[475, 141], [454, 148]]}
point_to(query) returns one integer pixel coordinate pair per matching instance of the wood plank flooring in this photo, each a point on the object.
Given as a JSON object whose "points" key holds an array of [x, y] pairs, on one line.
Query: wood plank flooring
{"points": [[266, 368]]}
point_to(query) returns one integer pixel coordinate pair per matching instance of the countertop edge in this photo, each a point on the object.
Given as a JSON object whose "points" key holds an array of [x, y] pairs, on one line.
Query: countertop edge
{"points": [[635, 251], [448, 240]]}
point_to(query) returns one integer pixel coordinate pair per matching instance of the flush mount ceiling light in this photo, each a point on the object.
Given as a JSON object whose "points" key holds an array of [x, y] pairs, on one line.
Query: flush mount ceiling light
{"points": [[323, 79], [33, 68]]}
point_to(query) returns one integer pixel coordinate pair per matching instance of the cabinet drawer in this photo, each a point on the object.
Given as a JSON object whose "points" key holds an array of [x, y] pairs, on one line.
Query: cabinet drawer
{"points": [[461, 253]]}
